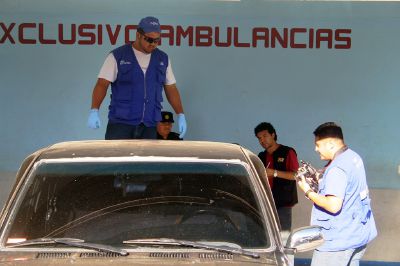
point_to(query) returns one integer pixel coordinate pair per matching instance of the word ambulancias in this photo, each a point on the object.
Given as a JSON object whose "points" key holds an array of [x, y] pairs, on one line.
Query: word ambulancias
{"points": [[197, 36]]}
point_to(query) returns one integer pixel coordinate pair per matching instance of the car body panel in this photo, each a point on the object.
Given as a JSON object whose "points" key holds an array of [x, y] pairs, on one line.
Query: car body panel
{"points": [[165, 257]]}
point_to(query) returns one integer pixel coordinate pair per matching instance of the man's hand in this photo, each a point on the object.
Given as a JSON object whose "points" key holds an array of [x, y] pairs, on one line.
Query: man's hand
{"points": [[182, 125], [301, 181], [270, 172], [308, 174], [94, 119]]}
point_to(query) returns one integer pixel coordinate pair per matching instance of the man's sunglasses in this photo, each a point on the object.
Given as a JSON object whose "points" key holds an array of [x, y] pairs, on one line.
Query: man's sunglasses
{"points": [[149, 39]]}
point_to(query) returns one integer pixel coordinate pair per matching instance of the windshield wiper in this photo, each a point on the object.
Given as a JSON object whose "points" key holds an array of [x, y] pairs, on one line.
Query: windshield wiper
{"points": [[74, 242], [39, 241], [185, 243]]}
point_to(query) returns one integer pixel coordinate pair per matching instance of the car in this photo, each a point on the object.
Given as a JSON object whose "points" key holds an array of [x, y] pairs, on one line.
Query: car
{"points": [[145, 202]]}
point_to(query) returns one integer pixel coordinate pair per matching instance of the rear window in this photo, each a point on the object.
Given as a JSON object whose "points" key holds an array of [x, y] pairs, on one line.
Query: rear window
{"points": [[109, 202]]}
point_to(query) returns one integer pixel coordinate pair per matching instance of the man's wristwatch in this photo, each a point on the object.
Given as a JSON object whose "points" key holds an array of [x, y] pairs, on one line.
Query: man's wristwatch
{"points": [[275, 173]]}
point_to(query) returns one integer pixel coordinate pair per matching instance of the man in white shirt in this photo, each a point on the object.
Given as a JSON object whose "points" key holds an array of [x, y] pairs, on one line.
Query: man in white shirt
{"points": [[138, 73]]}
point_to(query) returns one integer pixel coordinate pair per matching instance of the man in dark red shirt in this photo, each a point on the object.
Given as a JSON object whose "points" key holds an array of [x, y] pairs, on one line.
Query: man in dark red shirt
{"points": [[281, 165]]}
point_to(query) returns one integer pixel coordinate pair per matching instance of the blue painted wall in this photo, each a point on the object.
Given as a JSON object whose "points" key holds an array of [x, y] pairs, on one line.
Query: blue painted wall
{"points": [[46, 88]]}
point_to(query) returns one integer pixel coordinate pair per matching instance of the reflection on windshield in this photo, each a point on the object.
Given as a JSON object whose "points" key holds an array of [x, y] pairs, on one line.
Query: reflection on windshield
{"points": [[109, 202]]}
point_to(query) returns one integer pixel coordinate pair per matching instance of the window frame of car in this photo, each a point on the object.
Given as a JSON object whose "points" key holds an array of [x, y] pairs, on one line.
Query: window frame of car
{"points": [[258, 188], [268, 200]]}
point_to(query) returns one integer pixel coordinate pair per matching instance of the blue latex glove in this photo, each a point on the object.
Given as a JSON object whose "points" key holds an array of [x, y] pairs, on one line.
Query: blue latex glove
{"points": [[182, 125], [94, 119]]}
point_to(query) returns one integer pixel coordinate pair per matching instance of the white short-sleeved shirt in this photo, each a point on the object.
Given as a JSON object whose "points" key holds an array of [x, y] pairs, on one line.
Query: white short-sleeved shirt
{"points": [[109, 70]]}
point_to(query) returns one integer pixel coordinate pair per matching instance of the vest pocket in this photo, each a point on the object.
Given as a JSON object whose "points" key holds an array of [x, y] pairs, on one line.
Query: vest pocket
{"points": [[365, 212], [123, 93], [157, 112], [159, 97], [157, 104], [161, 74], [125, 111], [325, 222], [124, 84], [125, 73]]}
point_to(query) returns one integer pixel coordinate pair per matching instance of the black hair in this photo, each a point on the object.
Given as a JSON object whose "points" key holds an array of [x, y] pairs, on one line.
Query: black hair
{"points": [[328, 130], [265, 126]]}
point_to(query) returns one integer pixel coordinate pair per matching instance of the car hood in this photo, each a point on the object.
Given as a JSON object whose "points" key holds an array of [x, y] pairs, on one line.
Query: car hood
{"points": [[138, 259]]}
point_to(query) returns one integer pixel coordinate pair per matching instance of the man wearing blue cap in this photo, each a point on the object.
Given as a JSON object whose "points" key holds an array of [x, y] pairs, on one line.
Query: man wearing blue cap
{"points": [[138, 72]]}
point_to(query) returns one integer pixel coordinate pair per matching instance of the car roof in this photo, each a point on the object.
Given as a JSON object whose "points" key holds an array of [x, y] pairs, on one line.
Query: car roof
{"points": [[162, 148]]}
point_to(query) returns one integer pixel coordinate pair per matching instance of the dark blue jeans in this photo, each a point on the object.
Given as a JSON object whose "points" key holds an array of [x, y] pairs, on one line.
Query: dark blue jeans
{"points": [[124, 131]]}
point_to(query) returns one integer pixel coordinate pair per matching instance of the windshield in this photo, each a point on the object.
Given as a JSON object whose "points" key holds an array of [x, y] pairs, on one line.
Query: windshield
{"points": [[110, 202]]}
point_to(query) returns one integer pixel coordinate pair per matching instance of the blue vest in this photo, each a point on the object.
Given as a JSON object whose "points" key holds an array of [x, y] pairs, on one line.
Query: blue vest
{"points": [[136, 97], [354, 225]]}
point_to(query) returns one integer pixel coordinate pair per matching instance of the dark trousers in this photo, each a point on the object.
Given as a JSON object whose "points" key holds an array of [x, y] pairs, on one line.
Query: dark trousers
{"points": [[285, 218], [124, 131]]}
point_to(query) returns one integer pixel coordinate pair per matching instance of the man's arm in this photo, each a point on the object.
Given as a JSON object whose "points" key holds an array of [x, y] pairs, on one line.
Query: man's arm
{"points": [[280, 174], [174, 98], [99, 92], [330, 203], [292, 165]]}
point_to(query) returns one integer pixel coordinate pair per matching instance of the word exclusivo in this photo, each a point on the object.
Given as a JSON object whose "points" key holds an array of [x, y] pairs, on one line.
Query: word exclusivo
{"points": [[198, 36]]}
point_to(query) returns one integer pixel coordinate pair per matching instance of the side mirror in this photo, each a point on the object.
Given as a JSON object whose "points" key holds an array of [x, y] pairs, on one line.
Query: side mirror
{"points": [[304, 239]]}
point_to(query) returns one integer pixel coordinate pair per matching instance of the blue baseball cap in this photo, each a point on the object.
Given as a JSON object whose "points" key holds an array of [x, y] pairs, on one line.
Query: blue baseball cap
{"points": [[149, 24]]}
